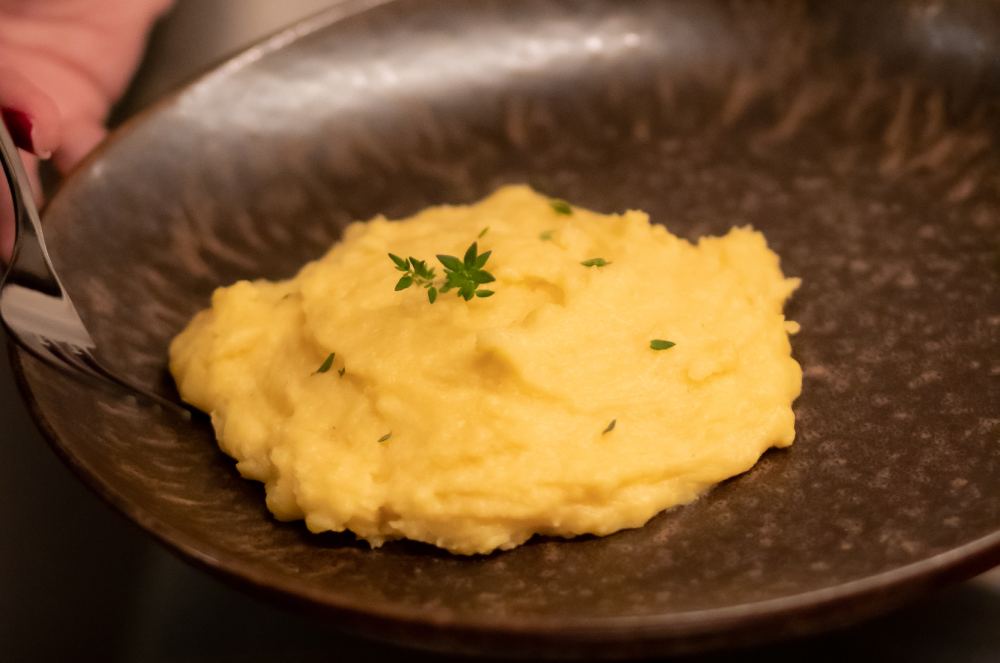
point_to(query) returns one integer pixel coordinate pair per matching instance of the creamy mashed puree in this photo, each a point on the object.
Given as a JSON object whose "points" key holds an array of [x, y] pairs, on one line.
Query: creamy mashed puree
{"points": [[474, 424]]}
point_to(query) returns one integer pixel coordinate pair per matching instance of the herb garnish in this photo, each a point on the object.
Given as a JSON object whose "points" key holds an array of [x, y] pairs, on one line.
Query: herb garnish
{"points": [[546, 236], [595, 262], [327, 363], [465, 275], [385, 437], [660, 344], [342, 370], [415, 271], [610, 427], [483, 232], [560, 206]]}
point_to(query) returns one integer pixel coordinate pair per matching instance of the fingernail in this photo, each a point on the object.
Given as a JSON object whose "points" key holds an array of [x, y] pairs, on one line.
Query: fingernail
{"points": [[21, 128]]}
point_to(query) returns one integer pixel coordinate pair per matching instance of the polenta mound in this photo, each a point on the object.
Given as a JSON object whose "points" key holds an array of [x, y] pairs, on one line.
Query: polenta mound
{"points": [[614, 371]]}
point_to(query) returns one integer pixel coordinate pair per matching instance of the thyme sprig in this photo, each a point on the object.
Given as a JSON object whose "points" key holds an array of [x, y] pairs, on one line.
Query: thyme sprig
{"points": [[464, 275]]}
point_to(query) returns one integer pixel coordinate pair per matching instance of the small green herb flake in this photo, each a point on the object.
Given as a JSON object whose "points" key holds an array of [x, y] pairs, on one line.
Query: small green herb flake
{"points": [[385, 437], [327, 363], [483, 232], [660, 344], [341, 371], [610, 427], [560, 206], [546, 236], [595, 262]]}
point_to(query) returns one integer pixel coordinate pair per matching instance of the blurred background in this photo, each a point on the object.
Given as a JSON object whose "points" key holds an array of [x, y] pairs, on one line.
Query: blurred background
{"points": [[79, 582]]}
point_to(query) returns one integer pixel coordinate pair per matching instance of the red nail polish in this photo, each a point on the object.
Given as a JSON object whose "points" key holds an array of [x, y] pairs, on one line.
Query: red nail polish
{"points": [[20, 126]]}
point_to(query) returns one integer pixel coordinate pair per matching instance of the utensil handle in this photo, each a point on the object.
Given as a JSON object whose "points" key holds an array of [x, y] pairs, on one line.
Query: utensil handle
{"points": [[29, 257]]}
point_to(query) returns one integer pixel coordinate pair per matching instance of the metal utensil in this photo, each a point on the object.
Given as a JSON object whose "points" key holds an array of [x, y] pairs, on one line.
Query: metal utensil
{"points": [[34, 306]]}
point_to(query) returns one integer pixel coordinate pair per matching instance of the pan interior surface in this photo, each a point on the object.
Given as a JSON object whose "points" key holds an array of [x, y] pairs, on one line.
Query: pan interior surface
{"points": [[860, 138]]}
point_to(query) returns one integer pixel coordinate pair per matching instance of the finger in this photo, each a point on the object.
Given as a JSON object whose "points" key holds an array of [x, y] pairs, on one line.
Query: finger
{"points": [[30, 115], [82, 53], [82, 135], [100, 39]]}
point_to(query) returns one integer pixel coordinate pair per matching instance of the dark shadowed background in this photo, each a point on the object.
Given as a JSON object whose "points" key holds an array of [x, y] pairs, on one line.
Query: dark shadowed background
{"points": [[79, 582]]}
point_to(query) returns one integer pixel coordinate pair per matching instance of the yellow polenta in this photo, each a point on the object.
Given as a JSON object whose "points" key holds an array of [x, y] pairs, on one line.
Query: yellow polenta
{"points": [[472, 425]]}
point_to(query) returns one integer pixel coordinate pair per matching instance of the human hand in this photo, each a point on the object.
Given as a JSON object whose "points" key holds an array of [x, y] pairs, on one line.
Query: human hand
{"points": [[62, 64]]}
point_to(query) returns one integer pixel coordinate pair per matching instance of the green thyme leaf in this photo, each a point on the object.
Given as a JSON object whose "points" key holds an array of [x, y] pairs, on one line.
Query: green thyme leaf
{"points": [[595, 262], [484, 293], [432, 294], [660, 344], [481, 260], [404, 283], [342, 370], [483, 232], [420, 269], [451, 262], [327, 363], [546, 236], [385, 437], [467, 291], [610, 427], [469, 260], [401, 264], [560, 206]]}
